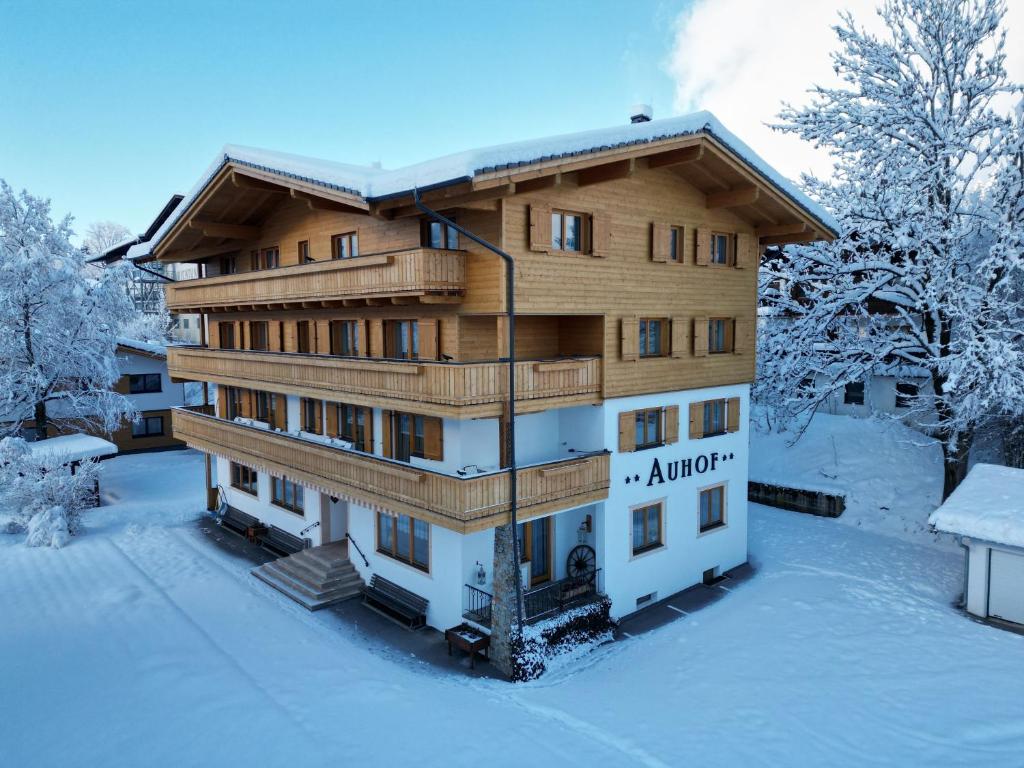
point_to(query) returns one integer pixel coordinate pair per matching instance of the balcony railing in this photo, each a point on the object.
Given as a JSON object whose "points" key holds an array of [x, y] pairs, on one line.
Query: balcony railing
{"points": [[463, 504], [440, 388], [539, 603], [417, 272]]}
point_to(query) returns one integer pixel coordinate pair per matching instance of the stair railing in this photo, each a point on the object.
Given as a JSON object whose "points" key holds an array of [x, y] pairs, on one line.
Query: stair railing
{"points": [[349, 537], [308, 528]]}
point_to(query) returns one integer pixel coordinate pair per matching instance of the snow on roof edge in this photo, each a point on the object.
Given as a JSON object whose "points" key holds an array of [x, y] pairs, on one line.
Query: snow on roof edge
{"points": [[987, 505], [149, 348], [76, 447]]}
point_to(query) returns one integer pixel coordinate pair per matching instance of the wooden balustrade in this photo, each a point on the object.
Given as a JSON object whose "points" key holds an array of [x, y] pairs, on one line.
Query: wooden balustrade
{"points": [[458, 390], [425, 273], [463, 504]]}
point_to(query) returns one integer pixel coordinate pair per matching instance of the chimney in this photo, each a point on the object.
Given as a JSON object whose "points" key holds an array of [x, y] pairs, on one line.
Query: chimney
{"points": [[641, 113]]}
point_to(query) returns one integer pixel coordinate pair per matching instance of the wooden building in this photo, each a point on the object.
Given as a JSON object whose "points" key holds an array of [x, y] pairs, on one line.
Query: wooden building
{"points": [[359, 352]]}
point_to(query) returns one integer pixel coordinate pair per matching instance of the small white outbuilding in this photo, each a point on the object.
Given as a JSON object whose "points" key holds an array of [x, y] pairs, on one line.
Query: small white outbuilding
{"points": [[986, 512]]}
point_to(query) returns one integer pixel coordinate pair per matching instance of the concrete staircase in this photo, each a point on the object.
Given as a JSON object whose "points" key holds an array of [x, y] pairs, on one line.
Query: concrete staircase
{"points": [[314, 578]]}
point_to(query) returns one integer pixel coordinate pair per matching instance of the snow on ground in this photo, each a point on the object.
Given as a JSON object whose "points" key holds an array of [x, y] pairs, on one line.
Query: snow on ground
{"points": [[143, 644], [890, 474]]}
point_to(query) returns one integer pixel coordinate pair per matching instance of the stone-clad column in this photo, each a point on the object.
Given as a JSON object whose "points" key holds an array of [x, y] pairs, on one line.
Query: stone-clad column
{"points": [[503, 607]]}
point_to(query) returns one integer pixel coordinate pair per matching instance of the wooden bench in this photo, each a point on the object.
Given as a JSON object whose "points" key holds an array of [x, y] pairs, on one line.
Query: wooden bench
{"points": [[280, 542], [398, 604], [238, 521]]}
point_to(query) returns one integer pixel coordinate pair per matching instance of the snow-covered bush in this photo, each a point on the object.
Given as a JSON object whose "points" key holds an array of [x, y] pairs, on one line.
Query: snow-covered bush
{"points": [[41, 495], [563, 638]]}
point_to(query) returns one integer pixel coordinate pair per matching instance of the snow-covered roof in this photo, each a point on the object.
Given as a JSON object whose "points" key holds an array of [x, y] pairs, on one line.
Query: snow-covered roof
{"points": [[74, 447], [149, 348], [987, 505], [373, 183]]}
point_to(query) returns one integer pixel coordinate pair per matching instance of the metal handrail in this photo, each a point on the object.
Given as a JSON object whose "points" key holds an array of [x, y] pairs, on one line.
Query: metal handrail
{"points": [[309, 528], [354, 544], [556, 596], [478, 605]]}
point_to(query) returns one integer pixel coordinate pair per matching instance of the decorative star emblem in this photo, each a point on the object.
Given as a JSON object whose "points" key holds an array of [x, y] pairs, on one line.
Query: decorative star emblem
{"points": [[636, 478], [628, 479], [730, 455]]}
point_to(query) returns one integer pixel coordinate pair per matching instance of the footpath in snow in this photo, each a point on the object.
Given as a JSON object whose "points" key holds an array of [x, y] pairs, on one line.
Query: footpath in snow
{"points": [[142, 644]]}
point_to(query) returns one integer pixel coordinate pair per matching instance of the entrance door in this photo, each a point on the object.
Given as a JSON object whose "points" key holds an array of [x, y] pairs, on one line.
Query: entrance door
{"points": [[1006, 586], [535, 541]]}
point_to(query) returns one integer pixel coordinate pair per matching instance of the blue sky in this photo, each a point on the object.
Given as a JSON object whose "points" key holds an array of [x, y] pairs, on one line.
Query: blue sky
{"points": [[108, 108]]}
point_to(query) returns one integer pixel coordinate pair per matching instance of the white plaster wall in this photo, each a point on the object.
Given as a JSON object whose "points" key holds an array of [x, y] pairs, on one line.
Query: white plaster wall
{"points": [[169, 396], [977, 562], [687, 553]]}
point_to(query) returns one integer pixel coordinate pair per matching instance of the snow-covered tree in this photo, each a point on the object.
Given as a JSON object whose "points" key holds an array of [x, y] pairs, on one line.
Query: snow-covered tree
{"points": [[926, 279], [152, 327], [40, 495], [58, 344], [100, 235]]}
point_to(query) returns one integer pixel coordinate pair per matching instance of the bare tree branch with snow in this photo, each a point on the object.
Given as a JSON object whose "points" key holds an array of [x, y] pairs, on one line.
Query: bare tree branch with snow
{"points": [[101, 235]]}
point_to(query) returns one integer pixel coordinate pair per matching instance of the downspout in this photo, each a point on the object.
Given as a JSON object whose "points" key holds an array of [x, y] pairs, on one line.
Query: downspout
{"points": [[510, 435]]}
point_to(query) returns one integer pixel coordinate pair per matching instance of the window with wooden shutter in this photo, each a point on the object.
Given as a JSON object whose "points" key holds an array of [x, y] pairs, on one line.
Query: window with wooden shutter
{"points": [[376, 348], [433, 438], [540, 228], [660, 236], [275, 336], [222, 402], [679, 336], [732, 411], [430, 334], [696, 421], [323, 337], [702, 256], [630, 338], [671, 424], [280, 412], [700, 336], [600, 235], [627, 431], [746, 251], [736, 339], [332, 419]]}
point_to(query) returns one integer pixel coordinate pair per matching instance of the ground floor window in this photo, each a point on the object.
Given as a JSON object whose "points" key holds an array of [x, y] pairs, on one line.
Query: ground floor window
{"points": [[148, 426], [906, 393], [404, 538], [712, 508], [853, 393], [647, 527], [284, 493], [243, 478]]}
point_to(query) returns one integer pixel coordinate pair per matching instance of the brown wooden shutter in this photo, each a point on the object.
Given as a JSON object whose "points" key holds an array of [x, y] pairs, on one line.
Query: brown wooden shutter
{"points": [[332, 419], [274, 335], [248, 406], [660, 238], [700, 336], [123, 385], [429, 336], [746, 251], [600, 235], [540, 228], [696, 420], [679, 336], [222, 402], [433, 438], [730, 335], [319, 420], [363, 329], [627, 431], [385, 426], [703, 253], [291, 336], [376, 348], [671, 424], [213, 334], [740, 336], [630, 338], [368, 430], [322, 341], [280, 405], [732, 414], [502, 339]]}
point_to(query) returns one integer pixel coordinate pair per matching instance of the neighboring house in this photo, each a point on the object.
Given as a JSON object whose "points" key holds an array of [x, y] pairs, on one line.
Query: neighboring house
{"points": [[359, 347], [144, 379]]}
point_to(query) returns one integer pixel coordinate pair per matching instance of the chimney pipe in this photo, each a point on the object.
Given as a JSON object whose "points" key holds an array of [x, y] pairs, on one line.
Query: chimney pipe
{"points": [[641, 113]]}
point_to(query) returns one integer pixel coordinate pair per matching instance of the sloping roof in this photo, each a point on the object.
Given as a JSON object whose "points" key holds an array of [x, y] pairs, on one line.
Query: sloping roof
{"points": [[376, 183], [76, 447], [987, 505], [142, 347]]}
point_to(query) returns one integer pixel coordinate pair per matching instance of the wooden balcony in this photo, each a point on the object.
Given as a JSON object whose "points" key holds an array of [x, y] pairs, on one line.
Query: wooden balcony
{"points": [[456, 390], [463, 504], [424, 274]]}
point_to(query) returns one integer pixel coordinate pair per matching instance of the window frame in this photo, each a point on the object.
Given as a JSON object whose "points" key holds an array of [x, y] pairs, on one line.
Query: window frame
{"points": [[676, 243], [342, 333], [449, 236], [146, 387], [722, 404], [303, 252], [226, 333], [643, 335], [145, 421], [905, 399], [583, 236], [647, 548], [298, 503], [726, 348], [408, 330], [847, 396], [244, 479], [310, 407], [393, 552], [349, 416], [345, 241], [259, 332], [723, 521], [304, 337], [715, 238], [643, 413], [228, 265]]}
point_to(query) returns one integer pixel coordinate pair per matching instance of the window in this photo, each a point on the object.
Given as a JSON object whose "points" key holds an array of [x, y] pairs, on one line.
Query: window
{"points": [[567, 231], [720, 335], [647, 527], [402, 339], [412, 435], [304, 257], [345, 338], [142, 383], [653, 338], [310, 411], [243, 478], [302, 337], [906, 393], [648, 428], [853, 393], [437, 235], [271, 258], [404, 538], [355, 424], [148, 426], [714, 417], [345, 246], [227, 335], [720, 248], [675, 244], [269, 408], [712, 508], [259, 335], [228, 265], [284, 493], [233, 398]]}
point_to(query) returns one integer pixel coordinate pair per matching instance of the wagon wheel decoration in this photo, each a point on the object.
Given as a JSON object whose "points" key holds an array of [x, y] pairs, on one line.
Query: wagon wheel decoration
{"points": [[581, 563]]}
